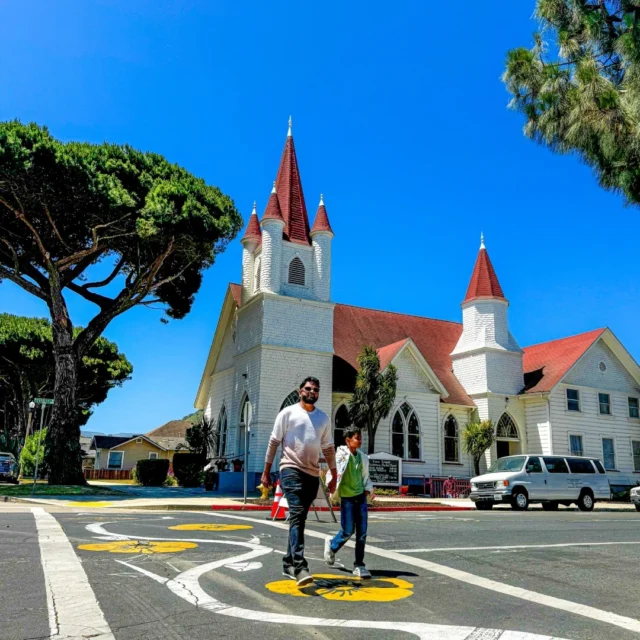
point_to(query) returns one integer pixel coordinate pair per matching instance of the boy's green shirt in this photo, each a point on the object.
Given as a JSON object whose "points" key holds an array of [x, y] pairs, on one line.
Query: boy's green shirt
{"points": [[352, 483]]}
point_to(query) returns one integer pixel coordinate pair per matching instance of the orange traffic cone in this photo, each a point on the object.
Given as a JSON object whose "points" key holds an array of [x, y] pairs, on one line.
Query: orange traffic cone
{"points": [[280, 507]]}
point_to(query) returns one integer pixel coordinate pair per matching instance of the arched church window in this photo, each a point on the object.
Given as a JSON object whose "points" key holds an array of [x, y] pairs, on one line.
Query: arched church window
{"points": [[296, 272], [342, 421], [506, 427], [451, 440], [221, 433], [256, 279], [292, 398], [405, 433]]}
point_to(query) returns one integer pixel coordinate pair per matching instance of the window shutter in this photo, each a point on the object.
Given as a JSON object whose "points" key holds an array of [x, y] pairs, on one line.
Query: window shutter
{"points": [[296, 272]]}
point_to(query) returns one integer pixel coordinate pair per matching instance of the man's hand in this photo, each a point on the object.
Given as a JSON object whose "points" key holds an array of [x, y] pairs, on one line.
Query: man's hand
{"points": [[331, 487], [266, 479]]}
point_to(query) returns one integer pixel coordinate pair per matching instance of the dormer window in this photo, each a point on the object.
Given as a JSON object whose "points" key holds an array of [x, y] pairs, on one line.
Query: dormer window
{"points": [[296, 272]]}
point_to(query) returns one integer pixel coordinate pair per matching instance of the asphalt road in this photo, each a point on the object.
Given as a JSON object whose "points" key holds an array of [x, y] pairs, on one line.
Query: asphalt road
{"points": [[464, 575]]}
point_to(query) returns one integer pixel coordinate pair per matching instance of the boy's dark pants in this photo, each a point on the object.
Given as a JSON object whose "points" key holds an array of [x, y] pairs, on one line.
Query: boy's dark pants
{"points": [[353, 517]]}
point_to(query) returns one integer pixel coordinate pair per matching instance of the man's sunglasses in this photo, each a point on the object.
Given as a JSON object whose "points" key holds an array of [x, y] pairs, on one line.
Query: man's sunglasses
{"points": [[314, 389]]}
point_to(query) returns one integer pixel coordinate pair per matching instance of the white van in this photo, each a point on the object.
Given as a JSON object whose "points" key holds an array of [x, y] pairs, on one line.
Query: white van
{"points": [[551, 480]]}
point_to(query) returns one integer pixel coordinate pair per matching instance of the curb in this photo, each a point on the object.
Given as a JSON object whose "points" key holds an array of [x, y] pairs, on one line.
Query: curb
{"points": [[371, 509]]}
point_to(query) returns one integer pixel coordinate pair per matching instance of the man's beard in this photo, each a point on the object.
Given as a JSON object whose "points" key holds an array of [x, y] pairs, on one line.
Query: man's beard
{"points": [[309, 399]]}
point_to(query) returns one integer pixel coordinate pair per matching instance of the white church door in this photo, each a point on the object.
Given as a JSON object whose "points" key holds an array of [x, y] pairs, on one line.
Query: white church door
{"points": [[507, 438]]}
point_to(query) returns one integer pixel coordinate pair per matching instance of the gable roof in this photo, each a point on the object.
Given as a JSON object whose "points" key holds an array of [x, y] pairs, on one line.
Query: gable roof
{"points": [[545, 364], [149, 440], [388, 353], [108, 442], [484, 281], [171, 429], [353, 327]]}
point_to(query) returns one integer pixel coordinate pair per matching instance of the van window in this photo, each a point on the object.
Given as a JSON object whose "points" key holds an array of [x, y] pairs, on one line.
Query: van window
{"points": [[534, 466], [507, 464], [599, 466], [556, 465], [580, 466]]}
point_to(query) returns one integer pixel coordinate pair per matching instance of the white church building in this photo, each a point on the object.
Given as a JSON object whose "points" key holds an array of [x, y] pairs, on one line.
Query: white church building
{"points": [[578, 395]]}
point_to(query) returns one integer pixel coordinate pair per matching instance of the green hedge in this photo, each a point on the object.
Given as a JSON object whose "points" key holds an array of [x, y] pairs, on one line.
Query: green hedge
{"points": [[152, 473], [188, 469]]}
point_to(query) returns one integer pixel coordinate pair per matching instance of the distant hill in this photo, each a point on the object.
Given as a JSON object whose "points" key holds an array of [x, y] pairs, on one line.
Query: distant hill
{"points": [[194, 418]]}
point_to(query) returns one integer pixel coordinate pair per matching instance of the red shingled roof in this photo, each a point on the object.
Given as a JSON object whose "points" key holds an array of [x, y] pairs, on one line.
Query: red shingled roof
{"points": [[545, 364], [353, 327], [273, 211], [291, 198], [253, 229], [388, 353], [321, 222], [484, 281], [236, 292]]}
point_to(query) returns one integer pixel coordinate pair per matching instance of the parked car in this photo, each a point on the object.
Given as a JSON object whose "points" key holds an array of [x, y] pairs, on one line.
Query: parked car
{"points": [[551, 480], [635, 497], [8, 468]]}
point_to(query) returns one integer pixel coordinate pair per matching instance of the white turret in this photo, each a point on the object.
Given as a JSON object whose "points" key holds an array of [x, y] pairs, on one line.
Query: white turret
{"points": [[250, 241], [321, 237], [272, 225]]}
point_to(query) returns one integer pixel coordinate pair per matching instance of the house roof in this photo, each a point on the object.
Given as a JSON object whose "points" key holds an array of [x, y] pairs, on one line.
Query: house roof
{"points": [[108, 442], [484, 281], [321, 222], [143, 437], [291, 197], [545, 364], [171, 429], [354, 327]]}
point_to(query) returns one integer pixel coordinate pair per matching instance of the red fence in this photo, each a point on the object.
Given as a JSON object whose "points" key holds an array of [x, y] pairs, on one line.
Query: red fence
{"points": [[460, 489], [107, 474]]}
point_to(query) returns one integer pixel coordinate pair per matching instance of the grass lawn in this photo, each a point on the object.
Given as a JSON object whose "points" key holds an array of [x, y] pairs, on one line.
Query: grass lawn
{"points": [[62, 490]]}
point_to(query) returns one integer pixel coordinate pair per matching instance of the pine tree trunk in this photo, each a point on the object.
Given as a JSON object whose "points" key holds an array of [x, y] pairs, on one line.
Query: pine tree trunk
{"points": [[63, 455]]}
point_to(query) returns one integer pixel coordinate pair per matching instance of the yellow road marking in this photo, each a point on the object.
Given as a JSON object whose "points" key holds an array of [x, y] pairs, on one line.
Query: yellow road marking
{"points": [[137, 546]]}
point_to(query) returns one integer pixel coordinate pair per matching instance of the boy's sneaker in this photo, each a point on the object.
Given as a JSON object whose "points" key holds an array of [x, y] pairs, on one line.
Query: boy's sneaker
{"points": [[303, 578], [329, 554], [288, 572], [362, 573]]}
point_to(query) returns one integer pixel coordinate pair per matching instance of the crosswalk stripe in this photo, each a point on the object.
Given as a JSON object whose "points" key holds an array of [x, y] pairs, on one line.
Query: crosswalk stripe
{"points": [[74, 612]]}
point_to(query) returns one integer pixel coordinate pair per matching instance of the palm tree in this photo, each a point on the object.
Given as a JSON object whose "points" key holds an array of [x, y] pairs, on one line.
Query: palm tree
{"points": [[478, 437]]}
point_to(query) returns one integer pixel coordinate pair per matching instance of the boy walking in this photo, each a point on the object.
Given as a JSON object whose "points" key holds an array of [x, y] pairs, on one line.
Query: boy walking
{"points": [[353, 487]]}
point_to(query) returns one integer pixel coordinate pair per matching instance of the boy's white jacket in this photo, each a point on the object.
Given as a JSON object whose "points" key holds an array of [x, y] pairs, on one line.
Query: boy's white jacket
{"points": [[342, 460]]}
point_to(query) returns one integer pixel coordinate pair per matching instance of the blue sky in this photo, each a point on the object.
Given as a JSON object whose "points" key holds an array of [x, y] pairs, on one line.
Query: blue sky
{"points": [[400, 119]]}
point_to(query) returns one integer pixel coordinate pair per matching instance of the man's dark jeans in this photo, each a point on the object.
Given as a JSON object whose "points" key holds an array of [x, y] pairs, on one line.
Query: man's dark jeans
{"points": [[353, 517], [300, 490]]}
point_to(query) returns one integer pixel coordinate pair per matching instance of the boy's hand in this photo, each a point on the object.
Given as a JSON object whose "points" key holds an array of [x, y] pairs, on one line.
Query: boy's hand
{"points": [[367, 493], [331, 487]]}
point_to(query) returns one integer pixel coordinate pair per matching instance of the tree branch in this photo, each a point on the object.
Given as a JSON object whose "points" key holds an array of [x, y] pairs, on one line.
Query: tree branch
{"points": [[25, 284], [102, 301], [53, 225], [108, 279]]}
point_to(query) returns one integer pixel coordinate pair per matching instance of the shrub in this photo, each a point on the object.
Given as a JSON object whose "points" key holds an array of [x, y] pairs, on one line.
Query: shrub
{"points": [[134, 475], [171, 481], [28, 455], [152, 473], [187, 468], [386, 492]]}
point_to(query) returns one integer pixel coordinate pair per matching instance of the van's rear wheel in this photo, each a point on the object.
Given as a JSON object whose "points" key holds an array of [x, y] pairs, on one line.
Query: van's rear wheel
{"points": [[550, 506], [586, 501], [484, 506], [520, 500]]}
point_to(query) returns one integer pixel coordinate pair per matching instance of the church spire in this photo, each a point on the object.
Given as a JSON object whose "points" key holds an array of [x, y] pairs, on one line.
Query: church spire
{"points": [[321, 222], [273, 211], [484, 281], [253, 232], [290, 195]]}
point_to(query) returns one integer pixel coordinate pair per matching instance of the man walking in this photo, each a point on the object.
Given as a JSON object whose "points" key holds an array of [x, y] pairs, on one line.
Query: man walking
{"points": [[304, 432]]}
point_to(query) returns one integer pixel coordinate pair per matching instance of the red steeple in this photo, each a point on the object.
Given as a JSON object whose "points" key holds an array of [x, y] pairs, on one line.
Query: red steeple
{"points": [[484, 281], [273, 212], [321, 222], [290, 196], [253, 228]]}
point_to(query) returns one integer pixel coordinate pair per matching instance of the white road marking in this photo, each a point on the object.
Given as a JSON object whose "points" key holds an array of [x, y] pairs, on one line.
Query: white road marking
{"points": [[187, 587], [244, 566], [586, 611], [174, 568], [74, 611], [518, 546]]}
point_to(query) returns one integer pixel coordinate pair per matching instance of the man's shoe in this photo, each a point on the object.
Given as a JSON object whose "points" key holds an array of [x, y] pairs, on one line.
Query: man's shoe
{"points": [[288, 572], [303, 578], [362, 573], [329, 554]]}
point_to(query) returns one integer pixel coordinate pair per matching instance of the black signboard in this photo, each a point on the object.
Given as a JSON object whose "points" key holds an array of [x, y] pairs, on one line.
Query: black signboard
{"points": [[384, 471]]}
